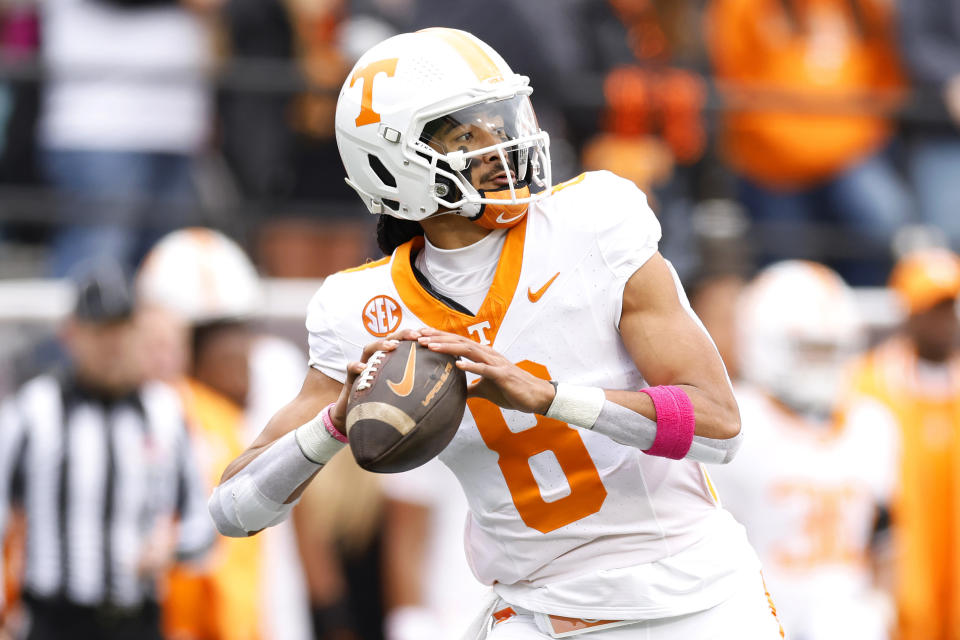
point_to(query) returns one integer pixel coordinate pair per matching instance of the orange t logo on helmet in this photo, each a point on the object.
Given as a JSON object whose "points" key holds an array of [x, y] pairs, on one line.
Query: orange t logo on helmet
{"points": [[366, 76]]}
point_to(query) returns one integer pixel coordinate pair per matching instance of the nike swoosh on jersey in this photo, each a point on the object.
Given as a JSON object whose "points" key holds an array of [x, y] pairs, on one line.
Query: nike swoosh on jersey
{"points": [[534, 296], [502, 220], [405, 385]]}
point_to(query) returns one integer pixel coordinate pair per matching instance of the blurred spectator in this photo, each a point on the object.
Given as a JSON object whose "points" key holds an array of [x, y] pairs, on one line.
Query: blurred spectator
{"points": [[652, 129], [202, 293], [256, 136], [19, 40], [812, 478], [808, 87], [297, 240], [19, 104], [100, 464], [930, 40], [724, 264], [126, 108], [916, 373], [429, 589]]}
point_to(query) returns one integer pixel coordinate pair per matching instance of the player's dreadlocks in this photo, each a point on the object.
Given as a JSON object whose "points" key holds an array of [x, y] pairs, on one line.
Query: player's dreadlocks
{"points": [[393, 232]]}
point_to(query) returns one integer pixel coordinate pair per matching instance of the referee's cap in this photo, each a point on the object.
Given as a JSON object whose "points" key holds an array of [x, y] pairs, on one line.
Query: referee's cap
{"points": [[103, 292]]}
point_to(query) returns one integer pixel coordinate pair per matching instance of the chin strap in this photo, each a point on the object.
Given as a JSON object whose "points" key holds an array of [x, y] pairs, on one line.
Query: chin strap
{"points": [[502, 215]]}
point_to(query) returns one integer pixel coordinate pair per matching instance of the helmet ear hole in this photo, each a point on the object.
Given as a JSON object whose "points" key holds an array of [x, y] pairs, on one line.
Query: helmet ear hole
{"points": [[382, 172], [386, 178]]}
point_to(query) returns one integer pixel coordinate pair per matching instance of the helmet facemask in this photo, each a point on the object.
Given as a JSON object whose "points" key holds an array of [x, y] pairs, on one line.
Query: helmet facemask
{"points": [[813, 383], [496, 144]]}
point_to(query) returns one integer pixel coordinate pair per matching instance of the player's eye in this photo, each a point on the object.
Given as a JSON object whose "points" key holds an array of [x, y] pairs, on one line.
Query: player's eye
{"points": [[466, 136]]}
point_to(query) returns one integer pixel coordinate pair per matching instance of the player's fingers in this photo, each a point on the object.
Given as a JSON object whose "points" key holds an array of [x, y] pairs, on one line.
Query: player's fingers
{"points": [[479, 368], [470, 350], [441, 336], [429, 334], [386, 344], [355, 368], [404, 334], [458, 345]]}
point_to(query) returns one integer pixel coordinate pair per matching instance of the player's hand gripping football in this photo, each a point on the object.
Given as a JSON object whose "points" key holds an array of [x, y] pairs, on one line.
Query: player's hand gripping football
{"points": [[339, 412], [501, 381]]}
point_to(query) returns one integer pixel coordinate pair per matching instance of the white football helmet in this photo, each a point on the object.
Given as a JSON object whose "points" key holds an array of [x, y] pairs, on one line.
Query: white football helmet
{"points": [[798, 328], [201, 275], [407, 88]]}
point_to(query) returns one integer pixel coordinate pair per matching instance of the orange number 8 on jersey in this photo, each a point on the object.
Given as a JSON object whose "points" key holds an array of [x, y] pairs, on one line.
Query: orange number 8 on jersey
{"points": [[587, 492]]}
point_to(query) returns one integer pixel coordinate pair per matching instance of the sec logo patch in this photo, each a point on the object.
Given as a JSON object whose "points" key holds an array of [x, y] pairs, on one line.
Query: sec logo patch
{"points": [[382, 315]]}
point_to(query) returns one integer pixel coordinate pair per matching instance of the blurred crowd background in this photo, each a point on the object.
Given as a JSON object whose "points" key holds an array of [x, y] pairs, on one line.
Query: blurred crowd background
{"points": [[825, 130], [761, 130]]}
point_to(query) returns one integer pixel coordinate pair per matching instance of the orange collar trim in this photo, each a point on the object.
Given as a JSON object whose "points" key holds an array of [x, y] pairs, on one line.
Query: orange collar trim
{"points": [[482, 327]]}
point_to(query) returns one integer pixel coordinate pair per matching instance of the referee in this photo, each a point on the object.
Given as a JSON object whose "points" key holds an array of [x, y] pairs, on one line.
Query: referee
{"points": [[98, 463]]}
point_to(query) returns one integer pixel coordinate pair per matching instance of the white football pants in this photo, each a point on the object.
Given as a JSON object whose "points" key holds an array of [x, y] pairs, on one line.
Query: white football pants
{"points": [[747, 614]]}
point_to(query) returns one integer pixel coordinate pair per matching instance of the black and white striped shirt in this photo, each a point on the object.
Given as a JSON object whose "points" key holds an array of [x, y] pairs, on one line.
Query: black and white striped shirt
{"points": [[95, 478]]}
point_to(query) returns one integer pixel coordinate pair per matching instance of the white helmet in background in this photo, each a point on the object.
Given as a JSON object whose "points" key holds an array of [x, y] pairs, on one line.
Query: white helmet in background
{"points": [[408, 85], [201, 275], [798, 328]]}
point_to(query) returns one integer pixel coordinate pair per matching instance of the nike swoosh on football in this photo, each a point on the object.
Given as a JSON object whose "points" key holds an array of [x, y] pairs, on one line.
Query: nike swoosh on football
{"points": [[502, 220], [534, 296], [405, 385]]}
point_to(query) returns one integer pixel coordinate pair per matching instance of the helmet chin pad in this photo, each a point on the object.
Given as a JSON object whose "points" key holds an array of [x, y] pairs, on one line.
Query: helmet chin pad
{"points": [[505, 215]]}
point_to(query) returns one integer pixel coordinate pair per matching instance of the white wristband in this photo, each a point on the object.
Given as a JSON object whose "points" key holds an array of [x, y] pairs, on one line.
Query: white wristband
{"points": [[577, 405], [316, 442]]}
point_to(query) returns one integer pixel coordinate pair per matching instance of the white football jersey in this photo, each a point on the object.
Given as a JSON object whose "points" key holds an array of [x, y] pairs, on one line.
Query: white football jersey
{"points": [[807, 494], [562, 520]]}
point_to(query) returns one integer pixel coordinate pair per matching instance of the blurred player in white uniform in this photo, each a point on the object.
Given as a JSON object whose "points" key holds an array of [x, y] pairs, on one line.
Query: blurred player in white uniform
{"points": [[597, 393], [812, 479]]}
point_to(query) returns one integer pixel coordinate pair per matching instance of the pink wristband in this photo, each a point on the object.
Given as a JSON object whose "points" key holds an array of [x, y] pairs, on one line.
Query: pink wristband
{"points": [[675, 422], [328, 423]]}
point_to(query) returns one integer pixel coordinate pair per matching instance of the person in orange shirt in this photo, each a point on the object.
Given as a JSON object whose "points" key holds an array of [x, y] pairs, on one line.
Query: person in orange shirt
{"points": [[916, 373], [808, 85]]}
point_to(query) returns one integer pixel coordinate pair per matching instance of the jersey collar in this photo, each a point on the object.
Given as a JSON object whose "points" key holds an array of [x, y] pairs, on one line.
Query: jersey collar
{"points": [[482, 327]]}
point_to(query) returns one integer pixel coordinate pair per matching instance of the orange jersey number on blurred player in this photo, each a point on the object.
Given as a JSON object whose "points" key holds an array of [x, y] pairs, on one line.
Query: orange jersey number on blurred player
{"points": [[825, 535], [587, 492]]}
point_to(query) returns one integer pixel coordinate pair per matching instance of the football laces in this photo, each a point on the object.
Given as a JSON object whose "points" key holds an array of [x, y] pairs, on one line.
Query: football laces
{"points": [[366, 376]]}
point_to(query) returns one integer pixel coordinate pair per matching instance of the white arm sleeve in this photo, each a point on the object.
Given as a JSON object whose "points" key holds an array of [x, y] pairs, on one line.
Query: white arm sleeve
{"points": [[256, 498], [636, 430]]}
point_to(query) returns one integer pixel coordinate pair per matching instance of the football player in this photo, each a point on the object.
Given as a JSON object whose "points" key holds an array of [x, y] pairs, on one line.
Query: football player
{"points": [[596, 394], [813, 481]]}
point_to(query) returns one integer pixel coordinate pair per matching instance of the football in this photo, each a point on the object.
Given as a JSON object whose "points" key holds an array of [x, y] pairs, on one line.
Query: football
{"points": [[404, 408]]}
